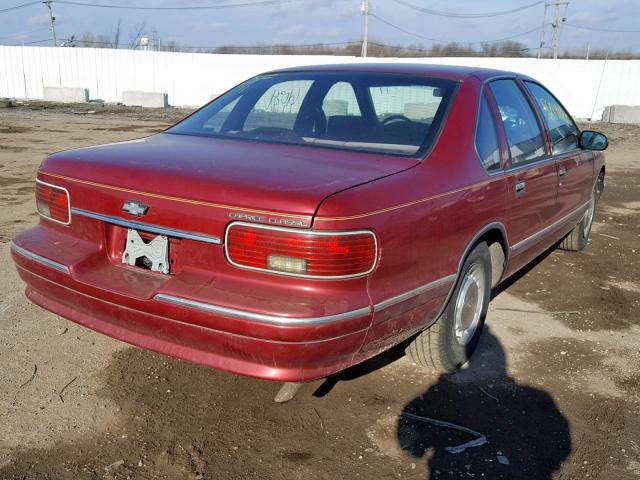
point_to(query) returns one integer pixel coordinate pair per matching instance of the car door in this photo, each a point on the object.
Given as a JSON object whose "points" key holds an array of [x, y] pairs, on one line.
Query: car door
{"points": [[575, 166], [532, 176]]}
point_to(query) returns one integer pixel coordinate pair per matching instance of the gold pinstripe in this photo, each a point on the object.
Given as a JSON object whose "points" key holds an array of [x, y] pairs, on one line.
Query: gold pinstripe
{"points": [[266, 212], [503, 175], [409, 204], [175, 199]]}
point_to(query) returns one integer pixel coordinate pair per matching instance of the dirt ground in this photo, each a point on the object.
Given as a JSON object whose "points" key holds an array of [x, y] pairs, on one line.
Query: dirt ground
{"points": [[554, 386]]}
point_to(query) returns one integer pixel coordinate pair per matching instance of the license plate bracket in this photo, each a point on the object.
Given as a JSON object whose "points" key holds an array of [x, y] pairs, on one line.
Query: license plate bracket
{"points": [[156, 252]]}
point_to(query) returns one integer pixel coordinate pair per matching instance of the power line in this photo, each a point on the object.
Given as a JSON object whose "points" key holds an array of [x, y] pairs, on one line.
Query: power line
{"points": [[29, 43], [16, 7], [400, 29], [261, 3], [601, 29], [417, 35], [442, 13], [25, 33]]}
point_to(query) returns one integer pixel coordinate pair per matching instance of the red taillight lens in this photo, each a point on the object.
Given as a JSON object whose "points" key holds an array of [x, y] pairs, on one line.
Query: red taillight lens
{"points": [[308, 254], [53, 202]]}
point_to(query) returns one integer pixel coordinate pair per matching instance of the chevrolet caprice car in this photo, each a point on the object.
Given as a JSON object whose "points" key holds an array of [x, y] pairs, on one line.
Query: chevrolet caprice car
{"points": [[311, 218]]}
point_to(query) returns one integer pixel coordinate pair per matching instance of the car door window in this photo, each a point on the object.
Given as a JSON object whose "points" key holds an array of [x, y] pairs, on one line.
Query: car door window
{"points": [[487, 138], [563, 130], [523, 133]]}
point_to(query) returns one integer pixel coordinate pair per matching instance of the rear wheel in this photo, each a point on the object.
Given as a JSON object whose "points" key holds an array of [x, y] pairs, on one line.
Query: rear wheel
{"points": [[578, 238], [450, 341]]}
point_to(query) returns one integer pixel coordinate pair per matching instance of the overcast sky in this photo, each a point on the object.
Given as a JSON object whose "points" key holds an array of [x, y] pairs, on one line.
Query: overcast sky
{"points": [[328, 21]]}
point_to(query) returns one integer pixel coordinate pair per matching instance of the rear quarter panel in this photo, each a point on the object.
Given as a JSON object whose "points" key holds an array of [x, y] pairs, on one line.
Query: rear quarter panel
{"points": [[424, 219]]}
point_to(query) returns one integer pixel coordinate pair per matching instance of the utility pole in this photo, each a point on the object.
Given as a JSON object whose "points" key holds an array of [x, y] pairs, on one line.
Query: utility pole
{"points": [[53, 23], [365, 12], [557, 24], [542, 32]]}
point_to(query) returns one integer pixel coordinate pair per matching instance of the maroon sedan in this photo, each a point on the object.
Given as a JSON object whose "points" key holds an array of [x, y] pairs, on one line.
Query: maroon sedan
{"points": [[310, 218]]}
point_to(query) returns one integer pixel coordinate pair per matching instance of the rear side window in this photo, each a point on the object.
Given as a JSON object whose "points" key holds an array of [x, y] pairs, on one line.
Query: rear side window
{"points": [[520, 125], [487, 138], [563, 130]]}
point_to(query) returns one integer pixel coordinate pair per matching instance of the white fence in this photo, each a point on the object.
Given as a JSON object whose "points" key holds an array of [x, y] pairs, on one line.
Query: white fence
{"points": [[190, 79]]}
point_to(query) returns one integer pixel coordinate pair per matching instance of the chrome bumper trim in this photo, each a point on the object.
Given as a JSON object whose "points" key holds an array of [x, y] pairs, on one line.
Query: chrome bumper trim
{"points": [[259, 317], [277, 320], [145, 227], [412, 293], [557, 224], [41, 260]]}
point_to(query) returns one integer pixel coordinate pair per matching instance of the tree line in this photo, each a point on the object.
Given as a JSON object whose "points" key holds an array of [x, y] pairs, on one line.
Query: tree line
{"points": [[507, 48]]}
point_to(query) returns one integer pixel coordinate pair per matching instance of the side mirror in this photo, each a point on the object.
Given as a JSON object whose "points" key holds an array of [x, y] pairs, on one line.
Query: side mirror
{"points": [[591, 140]]}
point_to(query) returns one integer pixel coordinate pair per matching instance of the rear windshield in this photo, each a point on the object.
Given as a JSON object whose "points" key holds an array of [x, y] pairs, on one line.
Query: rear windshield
{"points": [[385, 113]]}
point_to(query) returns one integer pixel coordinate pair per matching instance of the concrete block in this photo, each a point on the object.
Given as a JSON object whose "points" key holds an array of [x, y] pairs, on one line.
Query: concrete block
{"points": [[623, 114], [66, 94], [606, 114], [6, 103], [145, 99]]}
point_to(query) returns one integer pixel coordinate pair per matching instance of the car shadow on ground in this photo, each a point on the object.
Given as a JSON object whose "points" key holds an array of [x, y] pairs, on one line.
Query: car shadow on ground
{"points": [[527, 435]]}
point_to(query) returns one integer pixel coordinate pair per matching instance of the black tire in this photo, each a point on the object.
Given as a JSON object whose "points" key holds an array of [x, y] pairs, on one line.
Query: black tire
{"points": [[578, 238], [441, 347]]}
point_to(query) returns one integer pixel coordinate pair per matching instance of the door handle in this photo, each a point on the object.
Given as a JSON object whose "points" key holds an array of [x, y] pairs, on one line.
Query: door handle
{"points": [[561, 173], [520, 188]]}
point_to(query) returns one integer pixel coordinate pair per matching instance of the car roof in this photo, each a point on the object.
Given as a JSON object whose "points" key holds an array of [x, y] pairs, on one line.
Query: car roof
{"points": [[451, 72]]}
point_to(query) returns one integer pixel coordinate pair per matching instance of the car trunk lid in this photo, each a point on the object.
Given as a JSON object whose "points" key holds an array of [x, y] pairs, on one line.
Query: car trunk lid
{"points": [[198, 183]]}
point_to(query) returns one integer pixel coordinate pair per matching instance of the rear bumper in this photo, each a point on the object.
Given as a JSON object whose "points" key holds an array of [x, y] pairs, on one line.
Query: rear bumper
{"points": [[243, 342]]}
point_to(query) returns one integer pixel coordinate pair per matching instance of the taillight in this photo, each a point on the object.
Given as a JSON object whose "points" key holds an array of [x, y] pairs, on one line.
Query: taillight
{"points": [[311, 254], [52, 202]]}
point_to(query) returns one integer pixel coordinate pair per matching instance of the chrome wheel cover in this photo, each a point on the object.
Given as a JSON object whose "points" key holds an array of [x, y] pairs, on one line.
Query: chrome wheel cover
{"points": [[468, 306]]}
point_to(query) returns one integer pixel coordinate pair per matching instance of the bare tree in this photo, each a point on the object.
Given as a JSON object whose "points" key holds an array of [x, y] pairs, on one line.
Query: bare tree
{"points": [[377, 48], [171, 46], [135, 34], [116, 35], [89, 40]]}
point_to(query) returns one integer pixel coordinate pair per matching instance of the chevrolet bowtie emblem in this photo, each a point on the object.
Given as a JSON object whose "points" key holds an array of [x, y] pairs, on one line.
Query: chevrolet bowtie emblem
{"points": [[135, 207]]}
